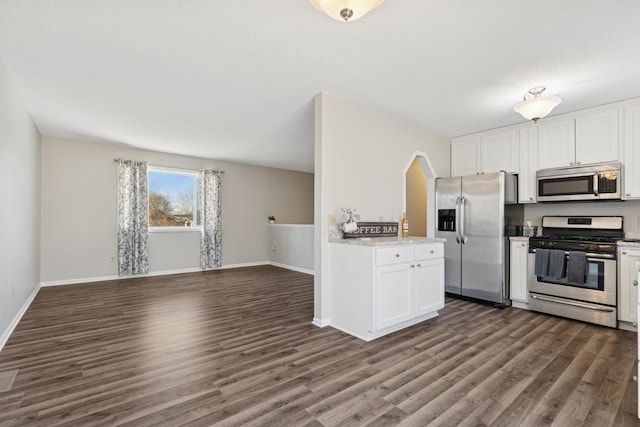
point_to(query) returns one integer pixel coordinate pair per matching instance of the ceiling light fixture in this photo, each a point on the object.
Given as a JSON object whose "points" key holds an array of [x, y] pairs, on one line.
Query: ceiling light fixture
{"points": [[535, 106], [346, 10]]}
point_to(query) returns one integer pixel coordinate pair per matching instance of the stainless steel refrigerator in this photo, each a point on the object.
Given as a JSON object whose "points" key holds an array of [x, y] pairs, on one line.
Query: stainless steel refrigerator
{"points": [[473, 212]]}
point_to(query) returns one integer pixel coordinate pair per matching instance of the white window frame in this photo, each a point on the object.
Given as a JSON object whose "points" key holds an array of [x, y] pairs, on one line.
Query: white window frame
{"points": [[196, 198]]}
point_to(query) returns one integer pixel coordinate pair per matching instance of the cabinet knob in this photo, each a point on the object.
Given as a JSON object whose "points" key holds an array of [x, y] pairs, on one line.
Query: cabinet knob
{"points": [[431, 252], [413, 266], [418, 265], [397, 255], [628, 194], [577, 163], [571, 163], [522, 244], [635, 283], [624, 252], [531, 198]]}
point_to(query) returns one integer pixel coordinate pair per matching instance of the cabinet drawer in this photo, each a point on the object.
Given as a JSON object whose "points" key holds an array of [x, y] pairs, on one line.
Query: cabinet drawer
{"points": [[429, 251], [394, 255]]}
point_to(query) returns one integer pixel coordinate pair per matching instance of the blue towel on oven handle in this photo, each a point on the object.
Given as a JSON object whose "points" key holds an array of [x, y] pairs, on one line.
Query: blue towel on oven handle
{"points": [[556, 264], [577, 267], [541, 262]]}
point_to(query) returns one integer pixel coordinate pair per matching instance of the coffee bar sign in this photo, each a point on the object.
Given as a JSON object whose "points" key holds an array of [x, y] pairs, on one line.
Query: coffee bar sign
{"points": [[374, 229]]}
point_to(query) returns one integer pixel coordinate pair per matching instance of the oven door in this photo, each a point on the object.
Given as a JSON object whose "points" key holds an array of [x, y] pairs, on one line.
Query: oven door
{"points": [[599, 286]]}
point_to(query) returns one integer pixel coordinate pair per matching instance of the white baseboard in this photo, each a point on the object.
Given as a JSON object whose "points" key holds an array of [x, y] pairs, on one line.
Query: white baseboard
{"points": [[519, 304], [167, 273], [627, 326], [243, 264], [291, 267], [7, 333], [77, 281], [321, 323], [116, 277], [150, 274]]}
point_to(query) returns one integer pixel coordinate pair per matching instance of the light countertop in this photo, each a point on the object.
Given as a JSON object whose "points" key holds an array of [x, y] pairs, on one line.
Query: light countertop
{"points": [[629, 244], [387, 241]]}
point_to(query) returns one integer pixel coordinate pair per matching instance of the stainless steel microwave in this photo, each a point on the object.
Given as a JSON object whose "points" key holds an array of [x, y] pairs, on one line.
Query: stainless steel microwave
{"points": [[599, 181]]}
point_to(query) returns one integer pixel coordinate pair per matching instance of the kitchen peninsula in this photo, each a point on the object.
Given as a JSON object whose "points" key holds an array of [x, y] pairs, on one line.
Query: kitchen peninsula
{"points": [[383, 284]]}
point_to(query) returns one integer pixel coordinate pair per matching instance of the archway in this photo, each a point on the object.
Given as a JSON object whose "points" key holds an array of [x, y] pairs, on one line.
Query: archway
{"points": [[419, 195]]}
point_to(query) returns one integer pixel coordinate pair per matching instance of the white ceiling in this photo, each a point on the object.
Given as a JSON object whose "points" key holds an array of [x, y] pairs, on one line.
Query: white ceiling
{"points": [[235, 79]]}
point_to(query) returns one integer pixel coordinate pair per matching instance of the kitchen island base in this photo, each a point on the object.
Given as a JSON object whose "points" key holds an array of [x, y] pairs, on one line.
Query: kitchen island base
{"points": [[377, 289]]}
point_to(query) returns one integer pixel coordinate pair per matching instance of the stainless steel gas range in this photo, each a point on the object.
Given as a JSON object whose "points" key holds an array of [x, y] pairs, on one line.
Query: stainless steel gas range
{"points": [[572, 268]]}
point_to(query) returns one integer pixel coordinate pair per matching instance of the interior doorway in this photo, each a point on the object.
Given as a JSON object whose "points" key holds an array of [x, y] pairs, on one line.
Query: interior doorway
{"points": [[416, 182], [419, 195]]}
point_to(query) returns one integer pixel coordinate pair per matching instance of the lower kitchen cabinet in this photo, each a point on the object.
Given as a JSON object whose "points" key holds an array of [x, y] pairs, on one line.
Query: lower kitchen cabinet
{"points": [[375, 290], [393, 289], [518, 254], [628, 256], [429, 286]]}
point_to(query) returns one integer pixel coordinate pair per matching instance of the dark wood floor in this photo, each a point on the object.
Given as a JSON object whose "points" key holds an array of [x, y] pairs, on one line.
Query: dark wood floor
{"points": [[236, 347]]}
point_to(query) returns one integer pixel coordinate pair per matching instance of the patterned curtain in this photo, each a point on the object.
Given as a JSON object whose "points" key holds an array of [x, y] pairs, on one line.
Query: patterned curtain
{"points": [[133, 218], [211, 235]]}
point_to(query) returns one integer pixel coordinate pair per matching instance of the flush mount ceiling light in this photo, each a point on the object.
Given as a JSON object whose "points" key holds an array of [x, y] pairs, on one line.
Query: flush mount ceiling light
{"points": [[535, 106], [346, 10]]}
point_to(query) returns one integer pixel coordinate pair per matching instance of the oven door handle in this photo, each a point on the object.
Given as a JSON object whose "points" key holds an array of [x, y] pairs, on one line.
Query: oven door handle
{"points": [[573, 303], [596, 175], [590, 256]]}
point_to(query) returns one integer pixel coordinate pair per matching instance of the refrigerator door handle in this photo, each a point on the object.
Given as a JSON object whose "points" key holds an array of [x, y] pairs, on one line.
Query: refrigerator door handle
{"points": [[463, 208], [457, 225]]}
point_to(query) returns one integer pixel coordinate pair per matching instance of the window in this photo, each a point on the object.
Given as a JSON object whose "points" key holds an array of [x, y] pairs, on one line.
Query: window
{"points": [[173, 198]]}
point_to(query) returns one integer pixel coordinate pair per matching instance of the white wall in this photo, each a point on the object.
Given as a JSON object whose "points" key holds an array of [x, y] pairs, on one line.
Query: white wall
{"points": [[19, 204], [79, 191], [360, 161], [291, 246]]}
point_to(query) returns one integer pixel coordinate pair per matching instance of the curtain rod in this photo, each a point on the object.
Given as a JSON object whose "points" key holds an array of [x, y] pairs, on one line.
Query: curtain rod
{"points": [[117, 159]]}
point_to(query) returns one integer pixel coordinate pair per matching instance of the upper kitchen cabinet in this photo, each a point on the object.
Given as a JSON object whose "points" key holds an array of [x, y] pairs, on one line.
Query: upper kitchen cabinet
{"points": [[528, 137], [499, 152], [556, 143], [631, 146], [597, 137], [465, 157], [588, 138], [485, 153]]}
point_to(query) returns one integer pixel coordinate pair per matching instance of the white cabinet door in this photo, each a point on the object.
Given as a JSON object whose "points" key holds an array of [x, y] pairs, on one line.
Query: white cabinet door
{"points": [[528, 165], [393, 295], [518, 254], [500, 152], [465, 156], [597, 137], [429, 286], [631, 157], [489, 153], [556, 144], [628, 284]]}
